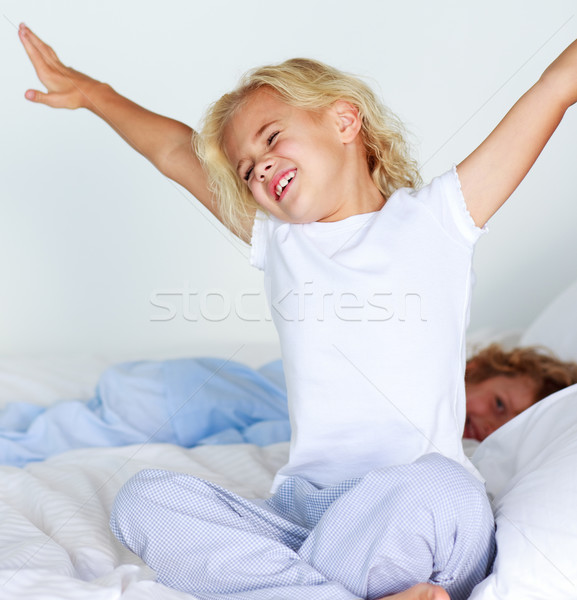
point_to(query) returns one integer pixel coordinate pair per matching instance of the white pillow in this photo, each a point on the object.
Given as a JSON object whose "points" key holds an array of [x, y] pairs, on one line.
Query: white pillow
{"points": [[556, 327], [530, 465]]}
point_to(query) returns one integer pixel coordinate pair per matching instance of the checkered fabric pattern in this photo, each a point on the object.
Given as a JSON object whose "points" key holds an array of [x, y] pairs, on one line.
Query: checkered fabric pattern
{"points": [[364, 538]]}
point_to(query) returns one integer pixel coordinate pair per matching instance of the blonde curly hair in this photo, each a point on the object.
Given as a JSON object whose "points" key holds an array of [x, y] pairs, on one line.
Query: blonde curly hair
{"points": [[313, 86], [549, 373]]}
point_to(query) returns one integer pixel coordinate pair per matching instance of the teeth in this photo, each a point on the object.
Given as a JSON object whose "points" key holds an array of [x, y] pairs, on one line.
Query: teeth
{"points": [[284, 182]]}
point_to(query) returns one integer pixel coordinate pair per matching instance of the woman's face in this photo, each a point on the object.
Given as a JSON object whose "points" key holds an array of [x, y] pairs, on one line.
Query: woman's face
{"points": [[493, 402]]}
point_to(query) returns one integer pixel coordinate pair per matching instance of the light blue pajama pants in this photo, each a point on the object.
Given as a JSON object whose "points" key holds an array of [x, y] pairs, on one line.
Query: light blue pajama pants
{"points": [[429, 521]]}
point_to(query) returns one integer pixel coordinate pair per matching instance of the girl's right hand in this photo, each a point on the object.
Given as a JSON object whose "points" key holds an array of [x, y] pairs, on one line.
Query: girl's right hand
{"points": [[66, 88], [165, 142]]}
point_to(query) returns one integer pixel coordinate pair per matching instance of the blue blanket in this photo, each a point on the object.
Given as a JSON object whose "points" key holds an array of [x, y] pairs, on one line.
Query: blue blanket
{"points": [[186, 402]]}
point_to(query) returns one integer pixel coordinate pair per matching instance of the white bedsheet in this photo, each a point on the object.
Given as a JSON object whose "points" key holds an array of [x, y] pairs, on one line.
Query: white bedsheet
{"points": [[54, 537], [55, 543]]}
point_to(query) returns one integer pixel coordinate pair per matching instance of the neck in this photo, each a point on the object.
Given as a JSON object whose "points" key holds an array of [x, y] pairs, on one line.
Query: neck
{"points": [[359, 193]]}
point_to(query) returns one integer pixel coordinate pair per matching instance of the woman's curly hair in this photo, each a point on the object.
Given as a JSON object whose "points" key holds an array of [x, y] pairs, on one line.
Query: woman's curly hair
{"points": [[310, 85], [549, 373]]}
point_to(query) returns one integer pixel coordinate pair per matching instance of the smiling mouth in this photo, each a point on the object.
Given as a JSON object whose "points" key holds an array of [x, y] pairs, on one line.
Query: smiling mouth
{"points": [[283, 184]]}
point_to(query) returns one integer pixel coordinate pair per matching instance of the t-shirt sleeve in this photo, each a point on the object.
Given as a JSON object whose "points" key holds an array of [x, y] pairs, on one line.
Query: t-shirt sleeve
{"points": [[444, 198], [261, 231]]}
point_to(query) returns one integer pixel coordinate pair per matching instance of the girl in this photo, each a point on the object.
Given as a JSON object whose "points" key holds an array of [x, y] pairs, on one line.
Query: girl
{"points": [[369, 285]]}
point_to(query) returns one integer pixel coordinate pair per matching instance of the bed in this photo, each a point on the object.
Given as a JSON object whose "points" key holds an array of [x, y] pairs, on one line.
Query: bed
{"points": [[54, 535]]}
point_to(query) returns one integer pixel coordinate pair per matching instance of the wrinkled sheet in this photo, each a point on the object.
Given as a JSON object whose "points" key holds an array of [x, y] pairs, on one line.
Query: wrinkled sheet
{"points": [[54, 536]]}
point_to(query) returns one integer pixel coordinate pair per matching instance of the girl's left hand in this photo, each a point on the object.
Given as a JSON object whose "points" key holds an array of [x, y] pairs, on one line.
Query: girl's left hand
{"points": [[490, 174], [561, 75]]}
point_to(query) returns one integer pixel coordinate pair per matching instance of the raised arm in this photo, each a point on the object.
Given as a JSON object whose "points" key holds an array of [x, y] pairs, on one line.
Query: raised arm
{"points": [[491, 173], [166, 143]]}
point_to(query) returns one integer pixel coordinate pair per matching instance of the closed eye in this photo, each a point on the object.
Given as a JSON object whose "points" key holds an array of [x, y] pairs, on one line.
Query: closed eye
{"points": [[269, 141]]}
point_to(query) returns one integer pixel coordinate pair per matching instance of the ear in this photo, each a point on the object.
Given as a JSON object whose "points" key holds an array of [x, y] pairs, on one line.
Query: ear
{"points": [[348, 120]]}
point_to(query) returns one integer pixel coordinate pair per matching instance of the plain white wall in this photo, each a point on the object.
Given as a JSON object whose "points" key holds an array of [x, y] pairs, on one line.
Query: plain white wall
{"points": [[90, 232]]}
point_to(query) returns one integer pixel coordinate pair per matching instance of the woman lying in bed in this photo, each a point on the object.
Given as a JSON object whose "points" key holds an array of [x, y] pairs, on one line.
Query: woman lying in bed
{"points": [[217, 401]]}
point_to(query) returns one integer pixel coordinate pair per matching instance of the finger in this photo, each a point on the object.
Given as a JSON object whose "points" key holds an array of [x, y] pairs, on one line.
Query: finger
{"points": [[36, 57], [52, 99], [36, 41], [35, 96], [39, 53]]}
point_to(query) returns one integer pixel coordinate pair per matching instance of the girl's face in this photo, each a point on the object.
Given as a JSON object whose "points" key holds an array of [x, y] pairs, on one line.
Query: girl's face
{"points": [[299, 166], [493, 402]]}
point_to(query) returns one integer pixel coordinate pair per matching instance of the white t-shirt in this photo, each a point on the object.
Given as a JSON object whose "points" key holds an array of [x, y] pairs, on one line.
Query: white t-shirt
{"points": [[371, 313]]}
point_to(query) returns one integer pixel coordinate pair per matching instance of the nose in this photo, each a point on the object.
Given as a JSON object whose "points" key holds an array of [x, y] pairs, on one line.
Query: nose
{"points": [[263, 167]]}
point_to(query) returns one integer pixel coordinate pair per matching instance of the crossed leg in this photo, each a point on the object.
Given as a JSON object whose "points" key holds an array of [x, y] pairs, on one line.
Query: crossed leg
{"points": [[403, 532]]}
